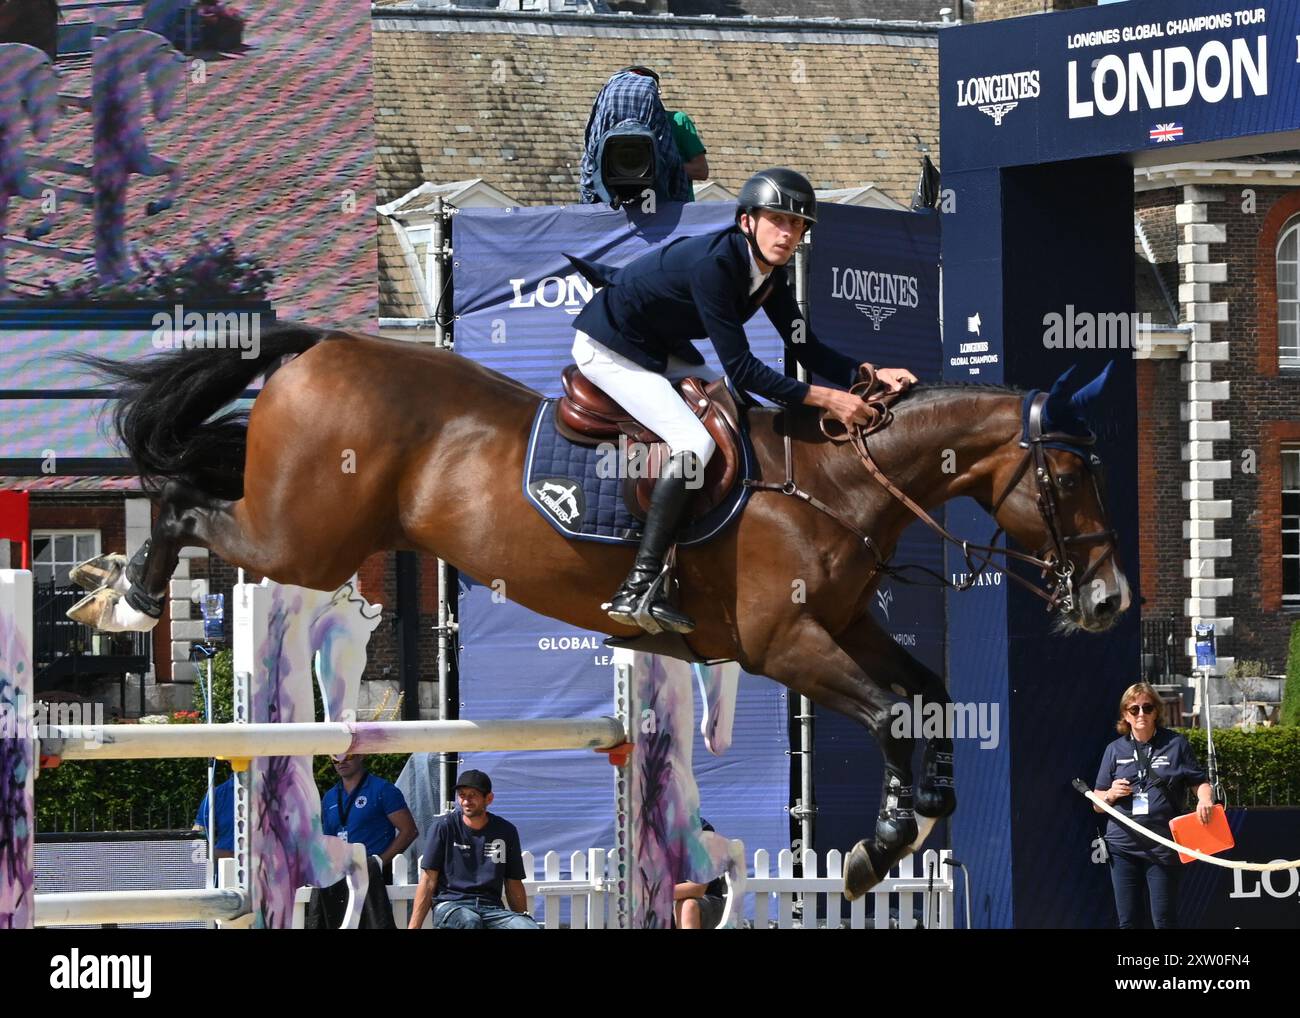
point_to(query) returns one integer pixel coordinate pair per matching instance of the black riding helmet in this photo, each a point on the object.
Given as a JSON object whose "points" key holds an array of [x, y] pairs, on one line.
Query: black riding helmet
{"points": [[781, 190]]}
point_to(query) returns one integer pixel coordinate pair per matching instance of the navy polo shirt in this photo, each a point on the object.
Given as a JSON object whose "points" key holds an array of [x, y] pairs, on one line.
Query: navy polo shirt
{"points": [[364, 813], [1174, 769], [473, 864], [224, 796]]}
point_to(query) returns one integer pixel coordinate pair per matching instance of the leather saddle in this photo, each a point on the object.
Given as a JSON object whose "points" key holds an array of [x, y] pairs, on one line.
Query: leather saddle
{"points": [[587, 416]]}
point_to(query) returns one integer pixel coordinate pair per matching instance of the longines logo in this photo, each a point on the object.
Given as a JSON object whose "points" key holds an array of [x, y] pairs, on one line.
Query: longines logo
{"points": [[877, 313], [878, 295], [997, 111], [570, 292], [998, 94], [884, 598]]}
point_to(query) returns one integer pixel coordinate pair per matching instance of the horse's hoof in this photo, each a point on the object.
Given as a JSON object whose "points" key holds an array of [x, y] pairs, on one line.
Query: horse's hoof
{"points": [[100, 571], [107, 611], [860, 874], [935, 802], [924, 825]]}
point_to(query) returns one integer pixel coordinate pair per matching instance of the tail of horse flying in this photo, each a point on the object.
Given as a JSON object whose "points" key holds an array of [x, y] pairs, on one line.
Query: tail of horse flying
{"points": [[168, 411]]}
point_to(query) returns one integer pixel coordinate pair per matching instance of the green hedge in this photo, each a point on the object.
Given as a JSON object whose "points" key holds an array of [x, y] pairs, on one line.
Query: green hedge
{"points": [[1260, 767], [1290, 713], [137, 795]]}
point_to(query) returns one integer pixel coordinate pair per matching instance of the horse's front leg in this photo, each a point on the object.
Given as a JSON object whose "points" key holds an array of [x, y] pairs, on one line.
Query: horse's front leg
{"points": [[839, 675]]}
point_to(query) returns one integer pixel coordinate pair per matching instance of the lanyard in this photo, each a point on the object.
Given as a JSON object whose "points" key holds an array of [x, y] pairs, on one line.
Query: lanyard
{"points": [[1142, 754], [345, 807]]}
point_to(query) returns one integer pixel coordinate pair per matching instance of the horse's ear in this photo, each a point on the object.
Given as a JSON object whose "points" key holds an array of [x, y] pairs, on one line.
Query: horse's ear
{"points": [[1092, 392], [1057, 408]]}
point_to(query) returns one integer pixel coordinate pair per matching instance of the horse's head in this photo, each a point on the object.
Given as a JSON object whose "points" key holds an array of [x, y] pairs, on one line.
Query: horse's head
{"points": [[1051, 497]]}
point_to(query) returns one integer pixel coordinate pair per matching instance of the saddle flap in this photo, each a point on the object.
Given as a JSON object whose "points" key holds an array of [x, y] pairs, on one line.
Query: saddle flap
{"points": [[714, 405]]}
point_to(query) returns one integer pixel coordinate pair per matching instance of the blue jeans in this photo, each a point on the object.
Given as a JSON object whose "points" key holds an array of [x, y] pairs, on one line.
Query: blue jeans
{"points": [[479, 915], [1128, 875]]}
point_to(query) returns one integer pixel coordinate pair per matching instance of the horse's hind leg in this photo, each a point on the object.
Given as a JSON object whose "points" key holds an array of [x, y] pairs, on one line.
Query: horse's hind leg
{"points": [[132, 598]]}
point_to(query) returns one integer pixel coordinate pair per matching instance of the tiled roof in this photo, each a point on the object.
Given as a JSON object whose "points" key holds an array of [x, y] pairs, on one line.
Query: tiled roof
{"points": [[462, 94], [276, 147]]}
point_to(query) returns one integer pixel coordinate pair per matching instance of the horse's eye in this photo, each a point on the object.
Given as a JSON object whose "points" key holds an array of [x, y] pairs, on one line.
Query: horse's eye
{"points": [[1067, 482]]}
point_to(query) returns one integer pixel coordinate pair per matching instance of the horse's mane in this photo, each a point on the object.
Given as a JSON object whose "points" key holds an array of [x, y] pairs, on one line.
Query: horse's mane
{"points": [[922, 394]]}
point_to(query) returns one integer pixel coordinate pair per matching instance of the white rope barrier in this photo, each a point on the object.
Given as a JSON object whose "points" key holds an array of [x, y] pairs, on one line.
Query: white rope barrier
{"points": [[1231, 864]]}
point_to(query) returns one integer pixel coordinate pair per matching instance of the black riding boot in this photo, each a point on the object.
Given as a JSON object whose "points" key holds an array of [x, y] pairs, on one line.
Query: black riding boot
{"points": [[642, 600]]}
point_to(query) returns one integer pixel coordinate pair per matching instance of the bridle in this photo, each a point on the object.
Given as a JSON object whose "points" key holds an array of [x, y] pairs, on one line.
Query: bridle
{"points": [[1052, 558]]}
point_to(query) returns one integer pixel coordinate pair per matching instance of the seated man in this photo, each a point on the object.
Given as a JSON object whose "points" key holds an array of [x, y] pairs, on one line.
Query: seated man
{"points": [[470, 858], [633, 94], [699, 906]]}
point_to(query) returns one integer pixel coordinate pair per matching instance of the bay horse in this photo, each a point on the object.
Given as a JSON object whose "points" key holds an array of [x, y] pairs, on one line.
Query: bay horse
{"points": [[360, 445]]}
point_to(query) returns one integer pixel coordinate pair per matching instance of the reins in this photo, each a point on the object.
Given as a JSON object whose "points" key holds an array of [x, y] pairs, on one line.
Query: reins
{"points": [[1052, 558]]}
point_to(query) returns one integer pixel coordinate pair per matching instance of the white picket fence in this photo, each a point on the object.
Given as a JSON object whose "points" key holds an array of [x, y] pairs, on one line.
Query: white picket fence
{"points": [[775, 900]]}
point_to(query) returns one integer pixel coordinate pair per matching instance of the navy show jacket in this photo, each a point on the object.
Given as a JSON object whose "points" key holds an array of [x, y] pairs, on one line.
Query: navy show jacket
{"points": [[697, 287]]}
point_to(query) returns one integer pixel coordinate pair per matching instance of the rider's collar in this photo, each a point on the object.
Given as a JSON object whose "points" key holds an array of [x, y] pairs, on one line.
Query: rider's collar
{"points": [[757, 277], [1060, 432]]}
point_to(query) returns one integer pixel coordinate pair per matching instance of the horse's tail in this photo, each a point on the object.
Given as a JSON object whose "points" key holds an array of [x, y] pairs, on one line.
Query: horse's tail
{"points": [[167, 413]]}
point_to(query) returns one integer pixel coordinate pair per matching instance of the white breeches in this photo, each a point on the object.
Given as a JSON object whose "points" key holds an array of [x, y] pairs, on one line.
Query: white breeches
{"points": [[647, 395]]}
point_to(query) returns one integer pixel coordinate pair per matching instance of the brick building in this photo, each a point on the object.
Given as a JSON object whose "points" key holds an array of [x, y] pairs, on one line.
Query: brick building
{"points": [[1220, 399]]}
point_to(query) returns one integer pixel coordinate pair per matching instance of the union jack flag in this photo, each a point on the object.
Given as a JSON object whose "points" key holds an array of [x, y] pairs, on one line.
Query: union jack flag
{"points": [[1166, 132]]}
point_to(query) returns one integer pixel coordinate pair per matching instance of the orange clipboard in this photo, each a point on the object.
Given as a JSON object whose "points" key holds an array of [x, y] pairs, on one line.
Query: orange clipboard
{"points": [[1210, 838]]}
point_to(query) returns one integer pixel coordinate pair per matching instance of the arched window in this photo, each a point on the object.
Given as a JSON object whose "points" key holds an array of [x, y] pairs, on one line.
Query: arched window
{"points": [[1288, 296]]}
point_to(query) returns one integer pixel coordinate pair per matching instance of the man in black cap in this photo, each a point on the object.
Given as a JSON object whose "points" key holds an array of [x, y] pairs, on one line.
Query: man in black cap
{"points": [[470, 858]]}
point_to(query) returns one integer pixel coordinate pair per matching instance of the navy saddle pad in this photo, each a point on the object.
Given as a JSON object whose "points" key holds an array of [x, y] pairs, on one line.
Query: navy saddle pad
{"points": [[578, 489]]}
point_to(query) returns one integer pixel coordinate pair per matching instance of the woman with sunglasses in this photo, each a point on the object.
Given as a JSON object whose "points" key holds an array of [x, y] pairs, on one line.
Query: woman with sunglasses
{"points": [[1145, 774]]}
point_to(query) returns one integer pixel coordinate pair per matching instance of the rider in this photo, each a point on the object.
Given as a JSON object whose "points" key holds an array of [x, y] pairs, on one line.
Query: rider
{"points": [[635, 334]]}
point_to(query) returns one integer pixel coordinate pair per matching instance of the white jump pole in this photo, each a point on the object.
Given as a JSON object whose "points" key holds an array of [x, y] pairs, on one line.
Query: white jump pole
{"points": [[77, 908], [141, 742]]}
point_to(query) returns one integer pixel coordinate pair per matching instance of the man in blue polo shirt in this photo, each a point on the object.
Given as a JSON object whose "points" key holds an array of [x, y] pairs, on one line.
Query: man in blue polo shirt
{"points": [[224, 794], [362, 808], [470, 858]]}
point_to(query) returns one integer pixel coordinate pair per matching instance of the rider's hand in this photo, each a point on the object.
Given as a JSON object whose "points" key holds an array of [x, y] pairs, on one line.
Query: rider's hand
{"points": [[845, 407], [897, 379]]}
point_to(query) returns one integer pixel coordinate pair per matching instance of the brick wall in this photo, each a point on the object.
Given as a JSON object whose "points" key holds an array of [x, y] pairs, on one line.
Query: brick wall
{"points": [[1264, 412]]}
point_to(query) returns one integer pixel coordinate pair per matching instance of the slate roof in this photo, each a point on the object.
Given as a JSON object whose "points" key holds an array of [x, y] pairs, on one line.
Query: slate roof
{"points": [[505, 97], [271, 145]]}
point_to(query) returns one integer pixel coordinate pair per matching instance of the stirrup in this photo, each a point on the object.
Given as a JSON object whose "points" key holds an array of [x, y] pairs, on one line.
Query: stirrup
{"points": [[652, 612]]}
